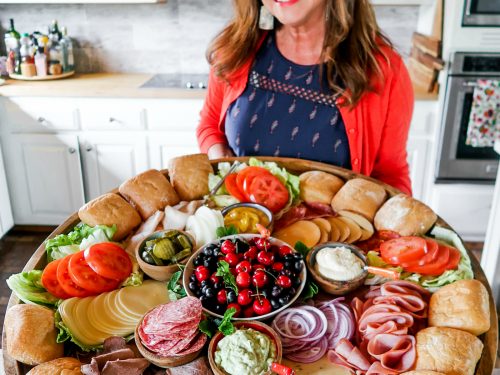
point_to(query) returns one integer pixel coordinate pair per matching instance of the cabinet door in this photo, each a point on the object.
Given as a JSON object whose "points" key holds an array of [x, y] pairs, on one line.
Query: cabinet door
{"points": [[45, 177], [6, 219], [110, 159], [417, 159], [167, 145]]}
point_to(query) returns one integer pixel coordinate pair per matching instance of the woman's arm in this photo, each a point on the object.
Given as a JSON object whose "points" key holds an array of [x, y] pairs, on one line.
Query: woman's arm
{"points": [[391, 165], [211, 139]]}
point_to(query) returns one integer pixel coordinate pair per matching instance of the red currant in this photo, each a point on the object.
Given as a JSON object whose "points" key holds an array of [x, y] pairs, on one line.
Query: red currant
{"points": [[232, 259], [262, 243], [278, 266], [262, 306], [284, 250], [284, 281], [222, 297], [202, 273], [244, 266], [237, 307], [227, 247], [266, 258], [245, 297], [243, 279], [259, 279], [248, 312]]}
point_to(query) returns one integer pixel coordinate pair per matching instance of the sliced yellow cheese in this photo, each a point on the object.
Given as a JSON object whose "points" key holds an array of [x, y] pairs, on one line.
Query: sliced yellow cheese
{"points": [[136, 301], [105, 322], [95, 336], [71, 319]]}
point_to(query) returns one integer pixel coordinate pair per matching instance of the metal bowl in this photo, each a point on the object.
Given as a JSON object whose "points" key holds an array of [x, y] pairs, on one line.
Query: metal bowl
{"points": [[257, 206], [336, 287]]}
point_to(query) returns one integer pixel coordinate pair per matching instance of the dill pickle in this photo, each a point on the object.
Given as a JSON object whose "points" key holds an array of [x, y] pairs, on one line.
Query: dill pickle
{"points": [[181, 255], [164, 249], [184, 241]]}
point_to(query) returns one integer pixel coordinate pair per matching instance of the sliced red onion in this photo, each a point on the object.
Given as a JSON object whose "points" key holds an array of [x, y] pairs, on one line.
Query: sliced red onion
{"points": [[340, 321], [310, 355]]}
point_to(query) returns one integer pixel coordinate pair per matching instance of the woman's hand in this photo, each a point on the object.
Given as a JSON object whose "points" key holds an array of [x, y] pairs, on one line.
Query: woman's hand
{"points": [[219, 150]]}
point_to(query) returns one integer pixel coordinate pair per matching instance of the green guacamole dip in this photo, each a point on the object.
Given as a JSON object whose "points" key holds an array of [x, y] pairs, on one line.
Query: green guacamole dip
{"points": [[246, 351]]}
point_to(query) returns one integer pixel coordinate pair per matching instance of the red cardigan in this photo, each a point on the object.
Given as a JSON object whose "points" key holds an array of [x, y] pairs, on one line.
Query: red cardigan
{"points": [[377, 127]]}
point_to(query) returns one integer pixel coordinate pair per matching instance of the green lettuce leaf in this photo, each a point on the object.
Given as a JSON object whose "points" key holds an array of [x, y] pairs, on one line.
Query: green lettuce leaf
{"points": [[224, 200], [28, 288]]}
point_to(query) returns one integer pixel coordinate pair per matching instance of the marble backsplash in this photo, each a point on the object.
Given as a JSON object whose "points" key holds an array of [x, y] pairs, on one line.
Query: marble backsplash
{"points": [[168, 37]]}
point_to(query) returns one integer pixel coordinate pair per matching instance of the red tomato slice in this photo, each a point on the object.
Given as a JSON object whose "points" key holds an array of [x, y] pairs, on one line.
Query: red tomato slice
{"points": [[435, 268], [109, 260], [233, 188], [268, 191], [49, 280], [454, 259], [85, 277], [431, 253], [386, 235], [402, 250], [247, 172], [65, 280]]}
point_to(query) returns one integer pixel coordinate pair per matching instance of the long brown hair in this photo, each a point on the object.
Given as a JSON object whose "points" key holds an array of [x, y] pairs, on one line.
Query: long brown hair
{"points": [[351, 45]]}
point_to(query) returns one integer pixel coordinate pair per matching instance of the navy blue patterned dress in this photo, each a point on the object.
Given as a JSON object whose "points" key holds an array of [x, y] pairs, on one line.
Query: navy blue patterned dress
{"points": [[286, 111]]}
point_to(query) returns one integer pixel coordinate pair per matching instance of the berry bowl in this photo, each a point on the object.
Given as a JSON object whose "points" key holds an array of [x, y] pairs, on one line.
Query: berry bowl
{"points": [[259, 277]]}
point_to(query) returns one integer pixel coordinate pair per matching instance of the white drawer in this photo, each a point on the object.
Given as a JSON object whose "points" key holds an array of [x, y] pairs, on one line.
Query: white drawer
{"points": [[112, 114], [173, 114], [41, 114], [424, 118]]}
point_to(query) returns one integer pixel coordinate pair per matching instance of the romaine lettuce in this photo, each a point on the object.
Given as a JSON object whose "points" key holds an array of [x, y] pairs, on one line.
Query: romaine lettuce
{"points": [[28, 288]]}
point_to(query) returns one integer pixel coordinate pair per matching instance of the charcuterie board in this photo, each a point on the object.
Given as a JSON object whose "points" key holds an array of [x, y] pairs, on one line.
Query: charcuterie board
{"points": [[489, 339]]}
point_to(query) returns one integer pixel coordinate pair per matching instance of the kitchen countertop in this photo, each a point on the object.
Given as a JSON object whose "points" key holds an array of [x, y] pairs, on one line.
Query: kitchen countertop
{"points": [[114, 85]]}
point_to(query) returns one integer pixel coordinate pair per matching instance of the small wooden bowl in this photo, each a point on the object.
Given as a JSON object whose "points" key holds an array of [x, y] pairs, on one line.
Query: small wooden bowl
{"points": [[258, 326], [159, 273], [336, 287], [188, 271], [164, 362]]}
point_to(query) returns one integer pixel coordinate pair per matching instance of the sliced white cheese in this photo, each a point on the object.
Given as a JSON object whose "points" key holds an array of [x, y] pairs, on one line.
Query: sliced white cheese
{"points": [[136, 301], [106, 322], [94, 335], [71, 319]]}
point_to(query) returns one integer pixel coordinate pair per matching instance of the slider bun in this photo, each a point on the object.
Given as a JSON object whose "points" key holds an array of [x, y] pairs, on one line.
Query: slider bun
{"points": [[109, 209], [361, 196], [319, 187], [31, 335], [149, 192], [447, 350], [189, 176], [405, 215], [463, 305], [59, 366]]}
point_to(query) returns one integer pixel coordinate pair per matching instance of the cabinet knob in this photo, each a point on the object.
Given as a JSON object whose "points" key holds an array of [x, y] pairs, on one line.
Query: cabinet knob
{"points": [[112, 119], [71, 150], [88, 148], [41, 120]]}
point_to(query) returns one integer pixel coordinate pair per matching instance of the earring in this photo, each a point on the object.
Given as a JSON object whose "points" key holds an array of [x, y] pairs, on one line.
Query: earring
{"points": [[266, 19]]}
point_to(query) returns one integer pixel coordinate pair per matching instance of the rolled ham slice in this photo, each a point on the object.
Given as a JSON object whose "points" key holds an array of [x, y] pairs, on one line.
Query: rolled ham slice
{"points": [[395, 352]]}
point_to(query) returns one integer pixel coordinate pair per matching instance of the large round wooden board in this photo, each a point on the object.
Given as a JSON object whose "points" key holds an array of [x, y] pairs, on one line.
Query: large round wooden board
{"points": [[490, 338]]}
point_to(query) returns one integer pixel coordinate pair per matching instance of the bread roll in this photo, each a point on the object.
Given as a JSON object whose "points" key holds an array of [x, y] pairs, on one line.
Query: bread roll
{"points": [[31, 335], [422, 372], [189, 176], [447, 350], [463, 305], [109, 209], [405, 215], [149, 192], [59, 366], [319, 187], [360, 196]]}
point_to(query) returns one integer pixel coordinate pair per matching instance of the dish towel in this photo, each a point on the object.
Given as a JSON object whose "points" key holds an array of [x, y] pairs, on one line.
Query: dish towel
{"points": [[484, 120]]}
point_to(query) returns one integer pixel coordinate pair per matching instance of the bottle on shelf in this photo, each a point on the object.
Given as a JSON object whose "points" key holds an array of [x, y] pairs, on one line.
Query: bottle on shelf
{"points": [[41, 62], [55, 56], [54, 32], [27, 60], [12, 43], [68, 62]]}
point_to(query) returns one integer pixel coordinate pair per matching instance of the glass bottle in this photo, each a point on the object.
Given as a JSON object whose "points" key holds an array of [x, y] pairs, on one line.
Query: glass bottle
{"points": [[54, 33], [41, 62], [12, 43], [68, 62]]}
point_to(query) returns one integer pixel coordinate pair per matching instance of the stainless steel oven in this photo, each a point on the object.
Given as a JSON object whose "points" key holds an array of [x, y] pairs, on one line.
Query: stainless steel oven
{"points": [[458, 162], [481, 13]]}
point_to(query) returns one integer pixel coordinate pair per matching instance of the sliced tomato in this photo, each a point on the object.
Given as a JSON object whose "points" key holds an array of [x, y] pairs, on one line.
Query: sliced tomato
{"points": [[454, 258], [431, 253], [65, 280], [85, 277], [109, 260], [386, 235], [233, 188], [49, 280], [249, 172], [435, 268], [402, 250], [268, 191]]}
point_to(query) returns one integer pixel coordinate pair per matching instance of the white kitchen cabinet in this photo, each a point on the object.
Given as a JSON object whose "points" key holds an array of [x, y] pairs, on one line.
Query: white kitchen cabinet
{"points": [[465, 207], [173, 114], [44, 176], [111, 158], [6, 219], [112, 114], [417, 159], [165, 146]]}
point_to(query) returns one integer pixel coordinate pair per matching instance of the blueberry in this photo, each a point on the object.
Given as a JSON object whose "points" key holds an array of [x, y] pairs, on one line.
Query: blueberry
{"points": [[291, 292], [275, 303], [296, 281], [204, 300], [193, 286], [288, 257], [298, 256], [204, 289], [220, 309], [197, 262], [288, 264], [266, 293], [204, 283], [217, 286], [208, 251], [286, 273], [283, 300], [298, 266], [207, 263], [209, 292], [276, 291], [192, 277], [231, 297]]}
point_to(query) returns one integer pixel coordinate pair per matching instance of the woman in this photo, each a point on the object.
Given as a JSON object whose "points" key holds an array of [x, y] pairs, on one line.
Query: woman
{"points": [[324, 84]]}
